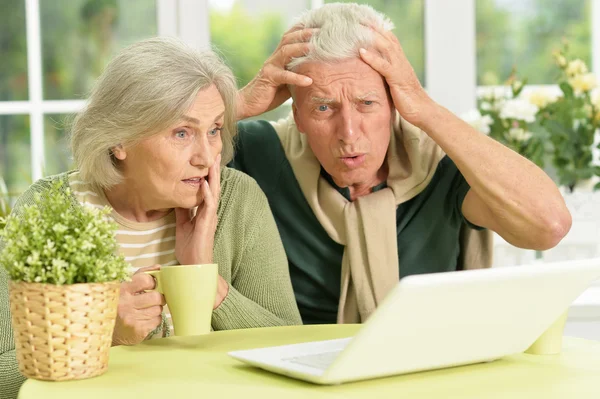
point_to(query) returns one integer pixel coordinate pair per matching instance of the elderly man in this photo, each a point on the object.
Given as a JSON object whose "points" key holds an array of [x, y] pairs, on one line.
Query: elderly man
{"points": [[370, 179]]}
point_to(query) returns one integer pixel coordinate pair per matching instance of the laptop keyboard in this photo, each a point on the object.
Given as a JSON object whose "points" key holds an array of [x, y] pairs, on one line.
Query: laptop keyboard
{"points": [[319, 361]]}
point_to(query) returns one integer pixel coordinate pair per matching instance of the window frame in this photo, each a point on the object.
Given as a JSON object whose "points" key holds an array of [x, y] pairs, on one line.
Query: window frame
{"points": [[452, 84]]}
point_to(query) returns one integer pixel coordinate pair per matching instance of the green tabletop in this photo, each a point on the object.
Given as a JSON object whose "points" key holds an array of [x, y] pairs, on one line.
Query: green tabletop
{"points": [[199, 367]]}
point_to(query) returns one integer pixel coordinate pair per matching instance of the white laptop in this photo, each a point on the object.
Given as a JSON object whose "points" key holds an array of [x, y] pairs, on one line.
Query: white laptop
{"points": [[439, 320]]}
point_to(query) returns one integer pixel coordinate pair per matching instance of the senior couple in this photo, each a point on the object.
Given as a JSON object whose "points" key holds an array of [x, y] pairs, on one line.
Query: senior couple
{"points": [[311, 219]]}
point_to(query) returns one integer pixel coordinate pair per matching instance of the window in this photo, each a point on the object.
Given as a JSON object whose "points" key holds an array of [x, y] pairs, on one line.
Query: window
{"points": [[53, 50], [79, 37], [52, 53], [13, 46], [246, 32], [15, 154], [523, 34], [14, 129]]}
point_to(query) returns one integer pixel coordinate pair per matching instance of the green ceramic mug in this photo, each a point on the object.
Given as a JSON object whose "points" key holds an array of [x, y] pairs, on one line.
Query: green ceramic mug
{"points": [[190, 292]]}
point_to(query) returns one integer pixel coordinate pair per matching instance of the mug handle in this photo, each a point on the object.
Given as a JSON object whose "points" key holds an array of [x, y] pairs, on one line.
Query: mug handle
{"points": [[156, 275]]}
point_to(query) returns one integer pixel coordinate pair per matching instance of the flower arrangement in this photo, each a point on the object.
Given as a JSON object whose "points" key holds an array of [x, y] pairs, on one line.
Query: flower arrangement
{"points": [[572, 121], [508, 117], [544, 124], [51, 242]]}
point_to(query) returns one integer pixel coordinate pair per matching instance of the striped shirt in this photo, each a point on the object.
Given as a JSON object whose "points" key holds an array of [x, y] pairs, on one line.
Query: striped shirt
{"points": [[142, 244]]}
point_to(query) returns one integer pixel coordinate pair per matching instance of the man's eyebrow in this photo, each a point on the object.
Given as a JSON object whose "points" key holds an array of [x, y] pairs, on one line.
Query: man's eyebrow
{"points": [[371, 94], [322, 100]]}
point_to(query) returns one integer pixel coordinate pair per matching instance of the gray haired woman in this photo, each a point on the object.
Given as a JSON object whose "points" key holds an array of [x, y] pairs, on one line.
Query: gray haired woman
{"points": [[151, 143]]}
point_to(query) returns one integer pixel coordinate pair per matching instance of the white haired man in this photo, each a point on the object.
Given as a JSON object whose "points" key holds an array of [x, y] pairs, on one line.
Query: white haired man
{"points": [[370, 179]]}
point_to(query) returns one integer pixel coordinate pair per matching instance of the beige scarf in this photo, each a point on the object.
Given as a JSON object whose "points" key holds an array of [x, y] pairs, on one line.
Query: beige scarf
{"points": [[367, 226]]}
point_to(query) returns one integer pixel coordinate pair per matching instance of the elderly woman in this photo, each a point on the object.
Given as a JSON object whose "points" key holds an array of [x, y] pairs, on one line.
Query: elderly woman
{"points": [[150, 144]]}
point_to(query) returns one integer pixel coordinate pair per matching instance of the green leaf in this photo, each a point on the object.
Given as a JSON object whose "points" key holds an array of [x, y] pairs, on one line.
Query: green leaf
{"points": [[584, 174], [567, 90], [597, 186]]}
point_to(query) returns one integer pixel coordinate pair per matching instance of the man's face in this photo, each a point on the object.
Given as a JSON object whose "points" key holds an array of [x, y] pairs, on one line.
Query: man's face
{"points": [[346, 116]]}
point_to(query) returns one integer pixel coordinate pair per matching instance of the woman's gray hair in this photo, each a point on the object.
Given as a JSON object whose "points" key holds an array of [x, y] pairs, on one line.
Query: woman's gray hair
{"points": [[146, 89], [342, 31]]}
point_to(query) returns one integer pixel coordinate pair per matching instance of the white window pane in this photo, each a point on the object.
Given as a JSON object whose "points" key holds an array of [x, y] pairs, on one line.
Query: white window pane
{"points": [[15, 153], [79, 37], [408, 17], [523, 34], [13, 47]]}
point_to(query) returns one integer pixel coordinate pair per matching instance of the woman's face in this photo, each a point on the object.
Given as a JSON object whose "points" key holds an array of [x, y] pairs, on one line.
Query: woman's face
{"points": [[168, 169]]}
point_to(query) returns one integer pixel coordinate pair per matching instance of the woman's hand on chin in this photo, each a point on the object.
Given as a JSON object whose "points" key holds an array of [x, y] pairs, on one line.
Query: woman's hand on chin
{"points": [[195, 234]]}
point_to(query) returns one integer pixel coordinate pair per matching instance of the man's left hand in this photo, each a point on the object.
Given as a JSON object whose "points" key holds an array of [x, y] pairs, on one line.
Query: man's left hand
{"points": [[269, 88], [388, 58]]}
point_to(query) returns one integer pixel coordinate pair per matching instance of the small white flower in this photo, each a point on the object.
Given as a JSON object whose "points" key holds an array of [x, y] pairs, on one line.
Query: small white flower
{"points": [[86, 245], [519, 134], [492, 94], [583, 83], [576, 67], [541, 98], [519, 109], [59, 263], [59, 228], [560, 59], [479, 122], [517, 84], [596, 98], [485, 106]]}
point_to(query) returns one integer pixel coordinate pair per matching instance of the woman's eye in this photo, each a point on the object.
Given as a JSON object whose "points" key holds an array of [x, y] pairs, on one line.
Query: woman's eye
{"points": [[368, 102], [323, 107], [215, 131], [181, 134]]}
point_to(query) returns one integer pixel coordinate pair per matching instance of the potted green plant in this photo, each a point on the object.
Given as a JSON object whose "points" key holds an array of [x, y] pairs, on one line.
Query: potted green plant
{"points": [[64, 274]]}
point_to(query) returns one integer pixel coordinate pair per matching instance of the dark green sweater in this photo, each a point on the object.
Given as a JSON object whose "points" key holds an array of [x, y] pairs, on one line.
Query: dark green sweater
{"points": [[428, 225]]}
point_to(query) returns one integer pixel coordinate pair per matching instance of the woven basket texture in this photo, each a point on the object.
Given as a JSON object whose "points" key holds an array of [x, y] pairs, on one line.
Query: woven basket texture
{"points": [[63, 332]]}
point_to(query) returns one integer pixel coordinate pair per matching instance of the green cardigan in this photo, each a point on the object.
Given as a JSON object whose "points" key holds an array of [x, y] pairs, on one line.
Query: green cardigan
{"points": [[247, 248]]}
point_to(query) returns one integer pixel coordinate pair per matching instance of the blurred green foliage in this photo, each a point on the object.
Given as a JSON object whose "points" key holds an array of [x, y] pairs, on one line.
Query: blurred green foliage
{"points": [[524, 33]]}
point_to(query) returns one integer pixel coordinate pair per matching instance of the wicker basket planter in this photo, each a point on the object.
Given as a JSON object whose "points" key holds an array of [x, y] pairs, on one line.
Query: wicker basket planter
{"points": [[63, 332]]}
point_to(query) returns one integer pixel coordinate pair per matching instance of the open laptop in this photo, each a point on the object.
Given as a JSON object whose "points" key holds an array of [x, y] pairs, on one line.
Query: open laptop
{"points": [[439, 320]]}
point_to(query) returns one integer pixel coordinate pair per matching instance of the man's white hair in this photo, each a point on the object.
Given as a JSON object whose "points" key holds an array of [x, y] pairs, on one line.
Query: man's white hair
{"points": [[343, 30]]}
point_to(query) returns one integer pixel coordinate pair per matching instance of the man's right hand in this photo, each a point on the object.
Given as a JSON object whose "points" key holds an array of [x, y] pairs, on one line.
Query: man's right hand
{"points": [[139, 312], [268, 89]]}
